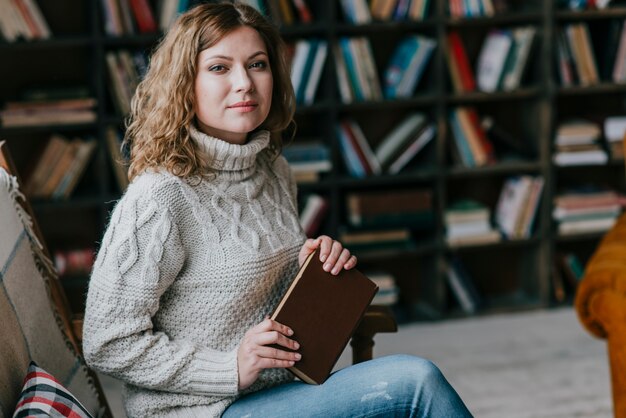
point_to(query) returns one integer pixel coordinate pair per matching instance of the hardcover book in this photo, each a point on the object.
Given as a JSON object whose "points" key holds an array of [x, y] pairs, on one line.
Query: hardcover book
{"points": [[323, 310]]}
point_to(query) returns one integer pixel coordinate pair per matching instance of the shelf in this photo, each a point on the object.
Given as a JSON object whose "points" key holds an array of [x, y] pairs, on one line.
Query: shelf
{"points": [[348, 29], [610, 163], [587, 236], [301, 30], [602, 88], [143, 39], [427, 174], [516, 243], [84, 202], [494, 21], [420, 249], [498, 168], [484, 97], [530, 113], [578, 15], [24, 130], [421, 100], [52, 43], [322, 106]]}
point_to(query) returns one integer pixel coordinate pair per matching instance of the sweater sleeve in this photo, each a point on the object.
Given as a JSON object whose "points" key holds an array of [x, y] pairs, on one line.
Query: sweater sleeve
{"points": [[140, 256]]}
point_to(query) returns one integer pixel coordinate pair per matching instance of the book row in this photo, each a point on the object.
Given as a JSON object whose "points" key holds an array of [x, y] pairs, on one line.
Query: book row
{"points": [[59, 167], [22, 19], [129, 17], [566, 273], [358, 12], [379, 220], [469, 222], [585, 142]]}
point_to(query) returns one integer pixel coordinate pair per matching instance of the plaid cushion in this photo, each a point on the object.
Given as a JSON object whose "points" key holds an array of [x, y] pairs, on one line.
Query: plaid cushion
{"points": [[43, 396]]}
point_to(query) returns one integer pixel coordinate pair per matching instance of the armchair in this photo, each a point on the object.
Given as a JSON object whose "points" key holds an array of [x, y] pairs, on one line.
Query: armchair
{"points": [[601, 305]]}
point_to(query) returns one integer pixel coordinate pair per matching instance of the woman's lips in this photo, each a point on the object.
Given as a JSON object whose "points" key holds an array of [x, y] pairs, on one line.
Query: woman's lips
{"points": [[244, 107]]}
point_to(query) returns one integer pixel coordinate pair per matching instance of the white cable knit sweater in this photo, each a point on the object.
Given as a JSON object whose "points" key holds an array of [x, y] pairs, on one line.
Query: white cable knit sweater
{"points": [[185, 270]]}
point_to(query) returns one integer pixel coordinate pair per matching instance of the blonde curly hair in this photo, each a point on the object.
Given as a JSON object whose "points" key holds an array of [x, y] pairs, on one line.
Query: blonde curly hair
{"points": [[162, 109]]}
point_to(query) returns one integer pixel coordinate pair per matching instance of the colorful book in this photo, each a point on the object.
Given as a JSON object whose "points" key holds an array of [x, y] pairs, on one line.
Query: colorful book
{"points": [[407, 65], [458, 57]]}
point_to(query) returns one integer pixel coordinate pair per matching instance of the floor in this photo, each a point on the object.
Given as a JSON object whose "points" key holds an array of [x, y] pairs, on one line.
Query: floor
{"points": [[539, 364]]}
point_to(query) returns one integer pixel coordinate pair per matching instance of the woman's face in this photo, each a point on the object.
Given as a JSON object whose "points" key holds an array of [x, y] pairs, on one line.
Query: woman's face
{"points": [[233, 86]]}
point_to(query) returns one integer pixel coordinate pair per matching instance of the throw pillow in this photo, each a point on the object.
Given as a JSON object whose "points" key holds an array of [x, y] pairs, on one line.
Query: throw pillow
{"points": [[44, 396]]}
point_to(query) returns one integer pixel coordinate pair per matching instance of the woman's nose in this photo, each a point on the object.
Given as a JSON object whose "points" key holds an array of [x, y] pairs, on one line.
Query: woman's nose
{"points": [[242, 81]]}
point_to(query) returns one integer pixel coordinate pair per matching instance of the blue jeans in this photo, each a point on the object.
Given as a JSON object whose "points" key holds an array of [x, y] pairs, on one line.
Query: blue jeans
{"points": [[392, 386]]}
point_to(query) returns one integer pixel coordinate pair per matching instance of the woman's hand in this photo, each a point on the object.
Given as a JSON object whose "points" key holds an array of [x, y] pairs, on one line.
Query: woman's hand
{"points": [[332, 254], [254, 354]]}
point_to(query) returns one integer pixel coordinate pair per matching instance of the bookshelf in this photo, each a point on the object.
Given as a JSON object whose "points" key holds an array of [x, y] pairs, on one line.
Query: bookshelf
{"points": [[509, 275]]}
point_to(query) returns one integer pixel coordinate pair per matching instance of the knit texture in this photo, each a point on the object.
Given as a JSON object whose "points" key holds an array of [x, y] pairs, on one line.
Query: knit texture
{"points": [[184, 270]]}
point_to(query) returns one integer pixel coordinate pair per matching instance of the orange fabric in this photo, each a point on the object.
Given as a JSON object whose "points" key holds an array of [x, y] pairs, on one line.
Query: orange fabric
{"points": [[601, 305]]}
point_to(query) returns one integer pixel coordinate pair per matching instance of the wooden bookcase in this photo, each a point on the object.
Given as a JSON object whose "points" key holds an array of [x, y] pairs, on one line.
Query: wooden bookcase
{"points": [[510, 274]]}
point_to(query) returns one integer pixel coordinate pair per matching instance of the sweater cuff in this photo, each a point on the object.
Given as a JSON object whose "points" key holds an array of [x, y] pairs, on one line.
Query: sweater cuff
{"points": [[215, 372]]}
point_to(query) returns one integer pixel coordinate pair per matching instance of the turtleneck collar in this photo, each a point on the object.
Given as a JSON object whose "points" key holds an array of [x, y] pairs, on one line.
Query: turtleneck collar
{"points": [[224, 156]]}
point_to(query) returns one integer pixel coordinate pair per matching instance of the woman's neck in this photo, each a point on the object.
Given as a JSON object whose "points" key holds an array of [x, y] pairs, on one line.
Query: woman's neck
{"points": [[223, 155]]}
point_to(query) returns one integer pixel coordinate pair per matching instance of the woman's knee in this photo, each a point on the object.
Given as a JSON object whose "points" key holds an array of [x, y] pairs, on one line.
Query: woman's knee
{"points": [[414, 366], [417, 371]]}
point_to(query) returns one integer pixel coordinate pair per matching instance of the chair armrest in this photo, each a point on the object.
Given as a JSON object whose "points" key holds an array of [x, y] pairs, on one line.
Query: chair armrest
{"points": [[601, 305], [376, 319], [601, 295]]}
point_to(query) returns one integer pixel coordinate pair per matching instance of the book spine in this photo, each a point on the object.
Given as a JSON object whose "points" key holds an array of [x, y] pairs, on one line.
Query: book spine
{"points": [[350, 61], [465, 69], [403, 159], [143, 16]]}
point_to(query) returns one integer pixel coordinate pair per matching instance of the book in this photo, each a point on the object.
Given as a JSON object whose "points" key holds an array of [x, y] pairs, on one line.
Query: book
{"points": [[369, 205], [303, 10], [617, 73], [458, 58], [302, 50], [462, 287], [118, 161], [343, 81], [144, 16], [307, 69], [512, 203], [356, 11], [314, 75], [323, 311], [523, 41], [421, 140], [76, 169], [355, 138], [388, 292], [406, 66], [313, 213], [349, 59], [74, 261], [492, 58], [398, 137]]}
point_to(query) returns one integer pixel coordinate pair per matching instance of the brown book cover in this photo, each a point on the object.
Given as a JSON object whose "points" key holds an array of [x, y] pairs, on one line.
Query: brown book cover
{"points": [[323, 310]]}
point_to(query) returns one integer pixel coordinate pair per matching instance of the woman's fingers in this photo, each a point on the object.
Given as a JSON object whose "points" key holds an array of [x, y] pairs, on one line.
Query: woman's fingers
{"points": [[337, 258], [344, 257], [275, 337], [277, 354], [271, 363], [270, 325]]}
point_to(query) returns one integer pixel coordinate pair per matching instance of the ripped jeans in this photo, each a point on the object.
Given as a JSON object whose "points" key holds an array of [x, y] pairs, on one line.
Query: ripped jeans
{"points": [[392, 386]]}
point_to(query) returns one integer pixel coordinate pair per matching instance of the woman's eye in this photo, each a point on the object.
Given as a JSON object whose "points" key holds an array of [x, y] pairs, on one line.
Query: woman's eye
{"points": [[217, 68], [259, 64]]}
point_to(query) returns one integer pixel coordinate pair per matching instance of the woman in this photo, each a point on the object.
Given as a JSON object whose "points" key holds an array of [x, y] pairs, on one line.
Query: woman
{"points": [[205, 240]]}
